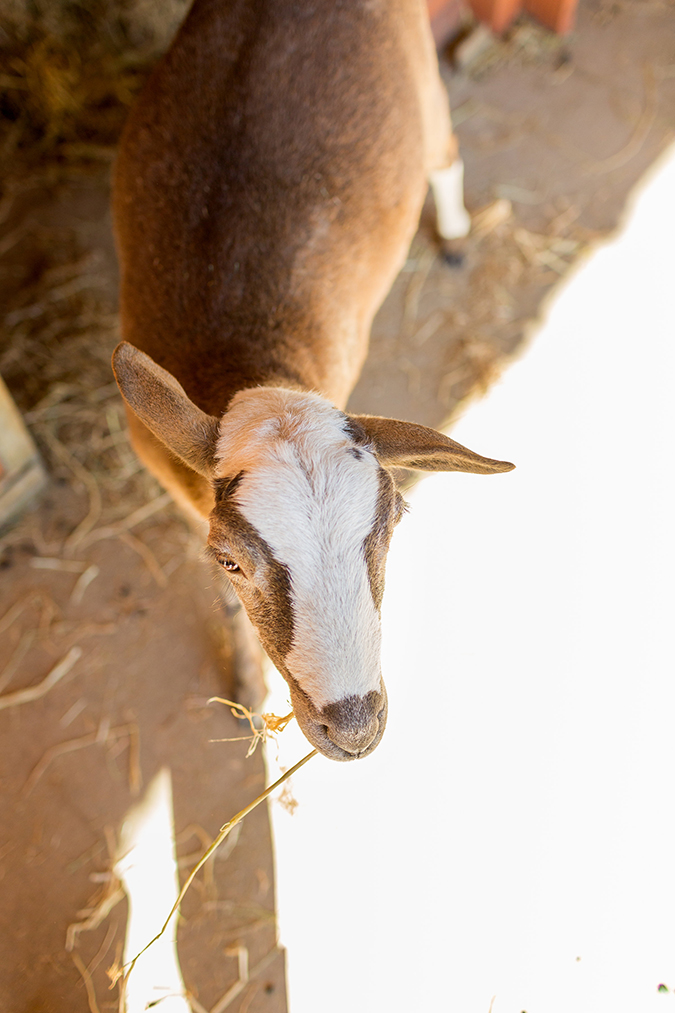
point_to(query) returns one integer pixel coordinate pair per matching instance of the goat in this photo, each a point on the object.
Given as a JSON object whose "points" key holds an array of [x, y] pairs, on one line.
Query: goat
{"points": [[268, 184]]}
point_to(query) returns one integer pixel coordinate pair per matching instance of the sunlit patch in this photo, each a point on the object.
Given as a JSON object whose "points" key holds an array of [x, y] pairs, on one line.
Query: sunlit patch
{"points": [[147, 869]]}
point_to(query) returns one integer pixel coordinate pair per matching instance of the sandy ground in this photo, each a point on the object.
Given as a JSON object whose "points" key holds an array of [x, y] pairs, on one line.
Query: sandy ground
{"points": [[555, 131]]}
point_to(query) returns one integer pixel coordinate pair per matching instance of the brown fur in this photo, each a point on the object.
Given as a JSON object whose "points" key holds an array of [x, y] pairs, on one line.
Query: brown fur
{"points": [[268, 184], [267, 187]]}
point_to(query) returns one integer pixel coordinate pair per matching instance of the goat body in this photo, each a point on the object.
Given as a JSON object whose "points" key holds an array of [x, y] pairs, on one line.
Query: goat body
{"points": [[268, 185]]}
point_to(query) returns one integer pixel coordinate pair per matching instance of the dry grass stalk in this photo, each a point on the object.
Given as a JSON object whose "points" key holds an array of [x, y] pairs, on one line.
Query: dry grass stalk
{"points": [[102, 736], [88, 481], [428, 329], [91, 573], [69, 746], [489, 218], [66, 628], [73, 712], [103, 949], [187, 861], [20, 651], [135, 775], [237, 988], [245, 1004], [13, 613], [544, 250], [414, 290], [113, 894], [225, 830], [287, 799], [49, 612], [147, 555], [88, 983], [134, 518], [602, 166], [31, 693], [50, 563], [272, 724]]}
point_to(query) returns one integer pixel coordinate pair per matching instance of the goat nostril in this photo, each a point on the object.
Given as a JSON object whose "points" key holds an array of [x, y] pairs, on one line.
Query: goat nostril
{"points": [[353, 740], [355, 723]]}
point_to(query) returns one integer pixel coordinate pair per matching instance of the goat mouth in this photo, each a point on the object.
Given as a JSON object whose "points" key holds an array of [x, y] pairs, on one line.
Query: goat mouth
{"points": [[309, 719]]}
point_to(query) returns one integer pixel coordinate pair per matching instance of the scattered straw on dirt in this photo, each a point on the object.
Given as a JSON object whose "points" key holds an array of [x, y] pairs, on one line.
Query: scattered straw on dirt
{"points": [[88, 983], [49, 563], [91, 573], [103, 949], [27, 640], [235, 990], [21, 696], [147, 555], [112, 895], [133, 519], [187, 861], [225, 830], [602, 166], [104, 735], [245, 976], [13, 613]]}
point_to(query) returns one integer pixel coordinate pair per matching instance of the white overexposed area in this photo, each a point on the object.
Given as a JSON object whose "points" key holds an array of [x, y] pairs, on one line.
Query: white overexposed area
{"points": [[511, 843]]}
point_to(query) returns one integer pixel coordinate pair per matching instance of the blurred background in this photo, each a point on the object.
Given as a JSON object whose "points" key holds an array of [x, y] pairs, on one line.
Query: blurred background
{"points": [[556, 130]]}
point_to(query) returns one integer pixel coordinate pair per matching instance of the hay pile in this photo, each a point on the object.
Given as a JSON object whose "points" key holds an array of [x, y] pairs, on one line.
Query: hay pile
{"points": [[70, 72]]}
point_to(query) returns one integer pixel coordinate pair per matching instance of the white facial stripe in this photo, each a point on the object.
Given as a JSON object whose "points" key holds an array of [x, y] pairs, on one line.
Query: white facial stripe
{"points": [[314, 504]]}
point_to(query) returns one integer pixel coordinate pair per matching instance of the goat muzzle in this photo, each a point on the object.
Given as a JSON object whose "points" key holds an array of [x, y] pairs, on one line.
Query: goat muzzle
{"points": [[348, 729]]}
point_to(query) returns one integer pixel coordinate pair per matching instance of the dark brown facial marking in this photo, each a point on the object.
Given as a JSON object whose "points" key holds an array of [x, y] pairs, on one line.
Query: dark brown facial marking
{"points": [[262, 583], [226, 486], [355, 431], [376, 543]]}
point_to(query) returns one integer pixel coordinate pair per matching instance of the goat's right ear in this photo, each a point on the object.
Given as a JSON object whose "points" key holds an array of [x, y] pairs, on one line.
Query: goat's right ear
{"points": [[163, 406], [400, 444]]}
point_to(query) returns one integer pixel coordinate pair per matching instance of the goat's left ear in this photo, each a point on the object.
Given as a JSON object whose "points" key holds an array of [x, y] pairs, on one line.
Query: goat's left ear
{"points": [[163, 406], [408, 445]]}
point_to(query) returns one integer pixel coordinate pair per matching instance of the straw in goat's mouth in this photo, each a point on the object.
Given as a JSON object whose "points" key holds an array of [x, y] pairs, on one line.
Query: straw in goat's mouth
{"points": [[270, 724]]}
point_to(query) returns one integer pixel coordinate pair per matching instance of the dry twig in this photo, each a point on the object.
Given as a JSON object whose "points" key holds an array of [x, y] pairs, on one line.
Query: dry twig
{"points": [[31, 693]]}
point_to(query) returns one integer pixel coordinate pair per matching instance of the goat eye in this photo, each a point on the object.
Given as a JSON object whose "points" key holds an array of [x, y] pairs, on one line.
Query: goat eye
{"points": [[229, 564]]}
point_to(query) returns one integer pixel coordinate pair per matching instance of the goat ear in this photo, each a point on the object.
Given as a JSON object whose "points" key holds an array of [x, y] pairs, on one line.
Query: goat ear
{"points": [[408, 445], [163, 406]]}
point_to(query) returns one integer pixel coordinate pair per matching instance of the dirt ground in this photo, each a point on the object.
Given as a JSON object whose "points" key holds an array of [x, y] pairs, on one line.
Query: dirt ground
{"points": [[554, 134]]}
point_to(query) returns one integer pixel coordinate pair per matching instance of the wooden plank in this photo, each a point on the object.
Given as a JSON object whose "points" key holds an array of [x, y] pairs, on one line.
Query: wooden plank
{"points": [[21, 472]]}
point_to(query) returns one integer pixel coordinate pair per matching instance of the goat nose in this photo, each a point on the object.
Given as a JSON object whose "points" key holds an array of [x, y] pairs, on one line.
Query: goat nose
{"points": [[354, 722]]}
